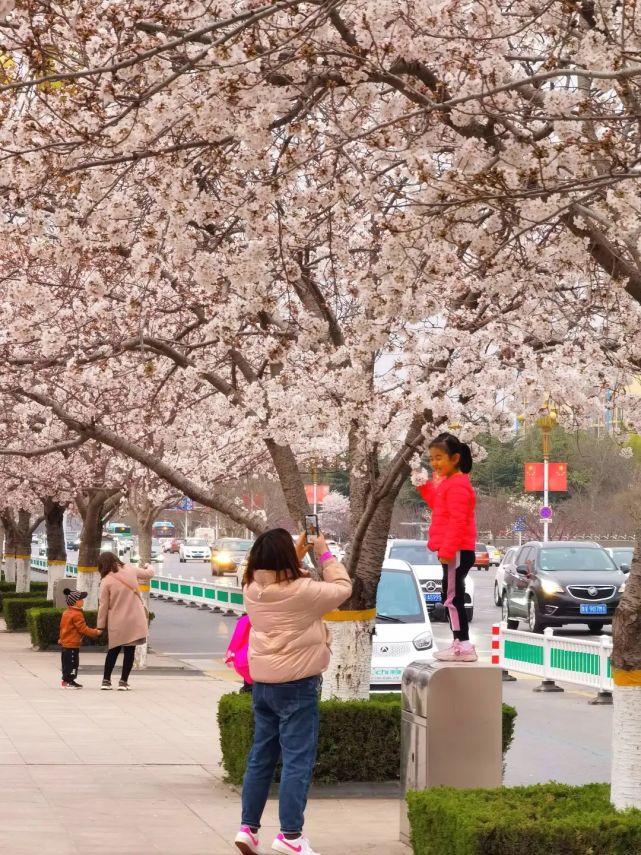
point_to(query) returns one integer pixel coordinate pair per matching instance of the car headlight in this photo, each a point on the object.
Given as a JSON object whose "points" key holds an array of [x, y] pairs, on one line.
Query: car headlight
{"points": [[222, 558], [550, 587], [622, 588], [423, 641]]}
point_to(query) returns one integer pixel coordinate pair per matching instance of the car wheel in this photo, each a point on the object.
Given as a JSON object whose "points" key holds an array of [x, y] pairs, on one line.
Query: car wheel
{"points": [[498, 601], [505, 613], [595, 628], [182, 560], [533, 616], [470, 614]]}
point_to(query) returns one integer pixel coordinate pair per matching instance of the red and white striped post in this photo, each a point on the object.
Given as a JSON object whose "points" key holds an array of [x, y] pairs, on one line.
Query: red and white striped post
{"points": [[496, 652]]}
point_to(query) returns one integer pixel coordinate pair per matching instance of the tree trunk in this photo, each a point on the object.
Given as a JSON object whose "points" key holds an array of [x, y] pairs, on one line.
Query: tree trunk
{"points": [[56, 547], [23, 531], [348, 675], [90, 507], [9, 551], [146, 513], [626, 674]]}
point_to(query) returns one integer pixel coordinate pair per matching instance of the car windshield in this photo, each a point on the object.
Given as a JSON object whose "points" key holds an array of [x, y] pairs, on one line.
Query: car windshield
{"points": [[575, 558], [397, 597], [413, 553], [194, 541], [622, 556]]}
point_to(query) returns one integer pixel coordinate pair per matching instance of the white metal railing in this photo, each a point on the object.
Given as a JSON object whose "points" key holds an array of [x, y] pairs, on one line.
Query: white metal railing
{"points": [[570, 660]]}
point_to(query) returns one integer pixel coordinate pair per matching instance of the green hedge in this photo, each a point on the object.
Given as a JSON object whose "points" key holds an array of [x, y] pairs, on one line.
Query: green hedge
{"points": [[11, 586], [8, 589], [547, 819], [15, 610], [358, 740], [44, 626], [5, 596]]}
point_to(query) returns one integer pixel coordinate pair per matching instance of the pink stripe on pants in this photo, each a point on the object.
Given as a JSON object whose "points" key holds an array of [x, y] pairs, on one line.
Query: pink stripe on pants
{"points": [[451, 593]]}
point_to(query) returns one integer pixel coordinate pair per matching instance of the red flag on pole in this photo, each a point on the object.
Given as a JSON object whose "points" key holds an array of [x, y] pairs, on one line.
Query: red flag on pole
{"points": [[321, 492], [558, 478], [533, 480]]}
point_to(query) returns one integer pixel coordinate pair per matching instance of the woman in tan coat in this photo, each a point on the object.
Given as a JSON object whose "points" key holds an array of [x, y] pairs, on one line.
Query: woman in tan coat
{"points": [[289, 648], [121, 610]]}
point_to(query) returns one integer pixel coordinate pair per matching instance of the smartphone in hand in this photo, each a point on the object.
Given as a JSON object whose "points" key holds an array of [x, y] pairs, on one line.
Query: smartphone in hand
{"points": [[311, 527]]}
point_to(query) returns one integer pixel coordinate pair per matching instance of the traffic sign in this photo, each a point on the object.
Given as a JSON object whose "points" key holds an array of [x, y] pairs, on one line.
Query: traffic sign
{"points": [[185, 504], [545, 513], [519, 524]]}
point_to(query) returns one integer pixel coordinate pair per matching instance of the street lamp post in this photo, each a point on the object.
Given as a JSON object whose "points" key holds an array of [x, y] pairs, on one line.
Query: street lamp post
{"points": [[315, 486], [546, 422]]}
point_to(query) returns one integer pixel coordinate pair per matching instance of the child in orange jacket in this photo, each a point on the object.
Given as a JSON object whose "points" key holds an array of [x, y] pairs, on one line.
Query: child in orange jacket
{"points": [[73, 627]]}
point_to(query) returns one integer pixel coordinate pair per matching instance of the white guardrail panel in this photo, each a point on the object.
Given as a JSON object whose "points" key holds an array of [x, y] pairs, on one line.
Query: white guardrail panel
{"points": [[570, 660]]}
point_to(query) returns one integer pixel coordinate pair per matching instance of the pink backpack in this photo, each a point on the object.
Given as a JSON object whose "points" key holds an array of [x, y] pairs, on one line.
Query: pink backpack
{"points": [[238, 650]]}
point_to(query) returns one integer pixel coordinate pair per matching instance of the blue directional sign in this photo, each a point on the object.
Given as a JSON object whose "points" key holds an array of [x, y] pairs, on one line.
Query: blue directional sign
{"points": [[519, 524], [185, 504]]}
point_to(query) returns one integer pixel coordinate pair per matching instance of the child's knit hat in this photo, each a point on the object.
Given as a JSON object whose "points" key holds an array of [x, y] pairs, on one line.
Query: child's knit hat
{"points": [[74, 596]]}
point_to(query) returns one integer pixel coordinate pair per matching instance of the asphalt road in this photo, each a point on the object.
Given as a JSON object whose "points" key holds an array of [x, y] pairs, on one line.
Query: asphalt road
{"points": [[558, 736]]}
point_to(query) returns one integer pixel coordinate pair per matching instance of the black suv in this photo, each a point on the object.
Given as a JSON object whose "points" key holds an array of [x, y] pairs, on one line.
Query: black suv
{"points": [[561, 582]]}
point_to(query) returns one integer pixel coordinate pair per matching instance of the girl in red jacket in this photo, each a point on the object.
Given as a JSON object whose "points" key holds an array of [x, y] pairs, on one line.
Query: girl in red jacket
{"points": [[452, 534]]}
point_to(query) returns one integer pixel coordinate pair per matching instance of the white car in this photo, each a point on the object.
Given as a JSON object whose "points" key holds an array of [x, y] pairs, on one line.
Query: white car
{"points": [[403, 633], [429, 572], [336, 549], [157, 556], [508, 563], [194, 549]]}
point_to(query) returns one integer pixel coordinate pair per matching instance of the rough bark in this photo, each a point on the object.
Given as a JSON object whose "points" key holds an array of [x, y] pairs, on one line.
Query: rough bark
{"points": [[21, 527], [626, 626], [56, 548], [92, 505], [626, 726]]}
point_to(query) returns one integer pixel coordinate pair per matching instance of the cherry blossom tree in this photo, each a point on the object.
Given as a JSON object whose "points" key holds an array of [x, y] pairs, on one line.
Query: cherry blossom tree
{"points": [[272, 232]]}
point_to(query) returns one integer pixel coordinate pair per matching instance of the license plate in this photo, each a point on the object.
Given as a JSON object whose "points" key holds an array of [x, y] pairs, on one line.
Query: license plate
{"points": [[593, 609], [433, 598], [386, 675]]}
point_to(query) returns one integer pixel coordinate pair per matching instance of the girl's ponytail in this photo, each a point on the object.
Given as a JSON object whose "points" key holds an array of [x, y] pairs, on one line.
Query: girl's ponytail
{"points": [[465, 464]]}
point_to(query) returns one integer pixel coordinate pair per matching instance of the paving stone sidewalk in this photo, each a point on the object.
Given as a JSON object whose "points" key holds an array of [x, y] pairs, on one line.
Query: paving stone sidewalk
{"points": [[137, 773]]}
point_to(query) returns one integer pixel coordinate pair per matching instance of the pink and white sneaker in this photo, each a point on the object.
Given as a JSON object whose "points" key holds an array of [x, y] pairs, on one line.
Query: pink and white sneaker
{"points": [[298, 846], [248, 842], [459, 651]]}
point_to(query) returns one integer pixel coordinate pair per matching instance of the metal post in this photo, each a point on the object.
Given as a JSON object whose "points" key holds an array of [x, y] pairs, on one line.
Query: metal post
{"points": [[315, 487], [520, 538], [546, 483]]}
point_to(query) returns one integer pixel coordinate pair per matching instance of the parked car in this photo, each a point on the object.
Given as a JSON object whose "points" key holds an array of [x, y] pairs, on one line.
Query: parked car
{"points": [[228, 554], [403, 633], [194, 549], [72, 542], [495, 555], [508, 564], [562, 582], [622, 556], [336, 549], [429, 572], [482, 559]]}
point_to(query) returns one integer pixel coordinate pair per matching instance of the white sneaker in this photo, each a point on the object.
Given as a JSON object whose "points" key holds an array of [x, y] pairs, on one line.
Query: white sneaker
{"points": [[298, 846], [460, 651], [248, 842]]}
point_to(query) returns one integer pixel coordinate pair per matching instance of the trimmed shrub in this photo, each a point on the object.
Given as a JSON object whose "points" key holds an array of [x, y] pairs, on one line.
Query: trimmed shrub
{"points": [[358, 740], [24, 595], [38, 590], [546, 819], [11, 586], [15, 609], [43, 623]]}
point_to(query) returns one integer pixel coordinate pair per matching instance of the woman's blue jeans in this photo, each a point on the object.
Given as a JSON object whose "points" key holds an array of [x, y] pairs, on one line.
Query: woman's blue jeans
{"points": [[285, 722]]}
